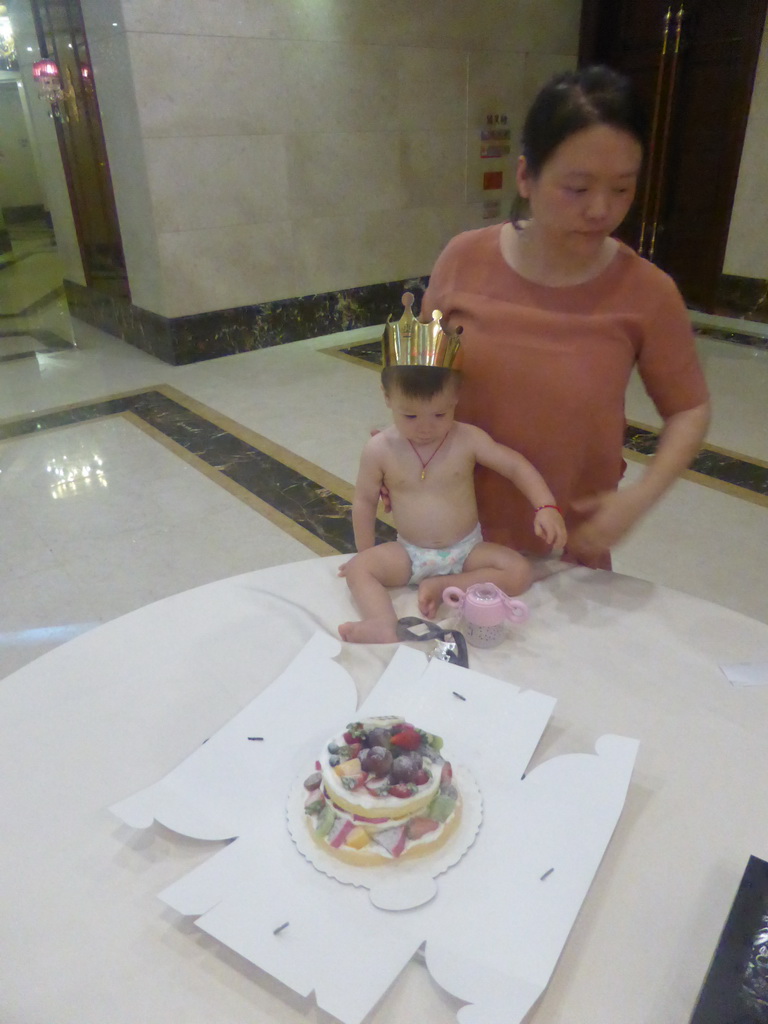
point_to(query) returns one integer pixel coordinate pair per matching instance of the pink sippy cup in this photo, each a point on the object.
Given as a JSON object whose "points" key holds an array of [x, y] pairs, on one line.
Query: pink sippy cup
{"points": [[485, 610]]}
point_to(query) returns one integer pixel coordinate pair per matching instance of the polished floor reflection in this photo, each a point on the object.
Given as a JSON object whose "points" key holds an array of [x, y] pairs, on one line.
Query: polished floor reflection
{"points": [[126, 480]]}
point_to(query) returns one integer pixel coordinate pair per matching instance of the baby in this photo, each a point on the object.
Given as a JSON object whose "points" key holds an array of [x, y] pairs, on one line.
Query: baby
{"points": [[426, 460]]}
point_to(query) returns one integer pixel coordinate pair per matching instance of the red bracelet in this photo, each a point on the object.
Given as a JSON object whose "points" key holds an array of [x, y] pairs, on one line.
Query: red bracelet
{"points": [[548, 506]]}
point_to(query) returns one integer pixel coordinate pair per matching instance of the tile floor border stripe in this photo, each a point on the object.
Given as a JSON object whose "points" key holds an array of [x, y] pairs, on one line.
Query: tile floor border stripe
{"points": [[17, 426], [271, 448], [49, 341], [309, 540], [56, 428], [739, 475], [234, 456], [308, 503], [346, 352], [715, 467], [714, 448], [731, 337], [733, 490], [36, 304]]}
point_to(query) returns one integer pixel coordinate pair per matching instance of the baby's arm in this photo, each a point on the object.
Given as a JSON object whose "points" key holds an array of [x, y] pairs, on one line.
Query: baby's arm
{"points": [[548, 522], [370, 477]]}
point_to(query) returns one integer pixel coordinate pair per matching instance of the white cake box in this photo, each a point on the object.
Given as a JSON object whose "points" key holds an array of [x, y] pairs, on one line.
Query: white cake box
{"points": [[494, 918]]}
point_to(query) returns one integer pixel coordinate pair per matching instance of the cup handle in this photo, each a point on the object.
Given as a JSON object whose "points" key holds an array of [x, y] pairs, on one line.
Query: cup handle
{"points": [[453, 596], [517, 611]]}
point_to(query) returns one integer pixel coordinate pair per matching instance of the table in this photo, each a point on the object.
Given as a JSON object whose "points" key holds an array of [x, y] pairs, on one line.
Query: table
{"points": [[85, 939]]}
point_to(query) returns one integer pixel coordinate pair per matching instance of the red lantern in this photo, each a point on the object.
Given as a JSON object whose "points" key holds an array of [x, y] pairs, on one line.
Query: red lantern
{"points": [[46, 73], [43, 69]]}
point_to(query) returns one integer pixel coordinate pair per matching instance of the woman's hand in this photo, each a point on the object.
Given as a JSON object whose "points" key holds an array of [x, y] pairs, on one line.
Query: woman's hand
{"points": [[549, 525], [385, 499], [384, 492], [609, 517]]}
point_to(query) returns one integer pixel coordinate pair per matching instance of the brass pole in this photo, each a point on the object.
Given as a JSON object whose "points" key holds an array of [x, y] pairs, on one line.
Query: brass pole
{"points": [[667, 122], [654, 129]]}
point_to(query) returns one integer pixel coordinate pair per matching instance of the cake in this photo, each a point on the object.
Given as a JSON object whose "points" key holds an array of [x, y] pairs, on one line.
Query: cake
{"points": [[382, 791]]}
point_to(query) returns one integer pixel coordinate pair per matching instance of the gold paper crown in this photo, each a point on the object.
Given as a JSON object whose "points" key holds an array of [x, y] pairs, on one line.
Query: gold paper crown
{"points": [[411, 343]]}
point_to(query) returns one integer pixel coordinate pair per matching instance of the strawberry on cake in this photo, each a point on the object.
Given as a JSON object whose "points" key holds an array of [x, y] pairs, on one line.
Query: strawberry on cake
{"points": [[382, 791]]}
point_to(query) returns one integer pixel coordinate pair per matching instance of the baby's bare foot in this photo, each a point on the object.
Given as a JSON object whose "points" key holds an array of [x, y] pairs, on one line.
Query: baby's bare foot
{"points": [[369, 631], [431, 595]]}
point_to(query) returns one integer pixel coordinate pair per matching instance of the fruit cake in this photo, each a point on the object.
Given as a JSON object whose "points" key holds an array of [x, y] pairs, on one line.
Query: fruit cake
{"points": [[382, 791]]}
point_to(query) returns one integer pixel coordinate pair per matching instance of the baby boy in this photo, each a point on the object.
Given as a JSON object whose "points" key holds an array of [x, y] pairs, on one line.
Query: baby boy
{"points": [[426, 461]]}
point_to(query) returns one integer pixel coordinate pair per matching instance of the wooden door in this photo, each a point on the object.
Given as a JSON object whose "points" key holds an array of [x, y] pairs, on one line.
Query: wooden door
{"points": [[61, 34], [700, 90]]}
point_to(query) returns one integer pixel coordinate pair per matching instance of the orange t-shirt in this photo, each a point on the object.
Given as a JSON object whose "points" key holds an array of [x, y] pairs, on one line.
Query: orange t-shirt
{"points": [[546, 369]]}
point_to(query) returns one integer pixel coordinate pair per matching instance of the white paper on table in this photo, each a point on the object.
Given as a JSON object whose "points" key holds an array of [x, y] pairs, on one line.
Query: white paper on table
{"points": [[747, 673], [495, 929], [223, 789]]}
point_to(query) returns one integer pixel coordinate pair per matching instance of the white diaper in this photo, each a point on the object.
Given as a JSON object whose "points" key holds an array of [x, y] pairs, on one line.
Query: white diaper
{"points": [[426, 562]]}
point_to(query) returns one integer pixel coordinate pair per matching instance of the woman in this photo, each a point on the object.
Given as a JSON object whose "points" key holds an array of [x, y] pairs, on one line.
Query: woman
{"points": [[556, 313]]}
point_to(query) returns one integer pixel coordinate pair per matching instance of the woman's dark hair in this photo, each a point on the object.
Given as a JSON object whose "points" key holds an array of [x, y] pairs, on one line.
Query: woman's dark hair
{"points": [[418, 381], [572, 101]]}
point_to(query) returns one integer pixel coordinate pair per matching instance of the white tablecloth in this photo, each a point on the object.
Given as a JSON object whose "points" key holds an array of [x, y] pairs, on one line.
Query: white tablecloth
{"points": [[83, 937]]}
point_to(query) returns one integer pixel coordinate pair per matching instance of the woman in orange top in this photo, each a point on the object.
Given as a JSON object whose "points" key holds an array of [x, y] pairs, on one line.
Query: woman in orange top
{"points": [[555, 315]]}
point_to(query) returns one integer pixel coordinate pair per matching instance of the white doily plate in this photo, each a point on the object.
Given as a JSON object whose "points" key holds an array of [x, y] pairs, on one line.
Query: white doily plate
{"points": [[400, 885]]}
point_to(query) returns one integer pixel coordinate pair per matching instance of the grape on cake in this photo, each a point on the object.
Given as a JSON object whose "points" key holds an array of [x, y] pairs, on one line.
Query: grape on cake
{"points": [[382, 791]]}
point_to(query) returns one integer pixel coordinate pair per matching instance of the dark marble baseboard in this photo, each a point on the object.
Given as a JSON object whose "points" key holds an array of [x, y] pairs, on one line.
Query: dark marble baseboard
{"points": [[117, 315], [743, 296], [190, 339], [747, 295], [735, 337]]}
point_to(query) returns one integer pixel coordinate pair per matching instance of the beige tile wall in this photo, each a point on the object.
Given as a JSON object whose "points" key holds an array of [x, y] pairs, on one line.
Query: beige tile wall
{"points": [[747, 250], [112, 71], [267, 150]]}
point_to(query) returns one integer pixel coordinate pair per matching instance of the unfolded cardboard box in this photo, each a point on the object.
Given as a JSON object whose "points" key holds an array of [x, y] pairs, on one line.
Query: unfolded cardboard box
{"points": [[493, 921]]}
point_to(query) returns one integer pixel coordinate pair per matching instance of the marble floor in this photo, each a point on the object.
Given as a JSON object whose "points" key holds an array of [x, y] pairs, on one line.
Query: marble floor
{"points": [[124, 480]]}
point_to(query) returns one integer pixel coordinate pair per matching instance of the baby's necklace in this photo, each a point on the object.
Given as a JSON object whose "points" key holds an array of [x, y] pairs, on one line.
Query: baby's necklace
{"points": [[423, 463]]}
